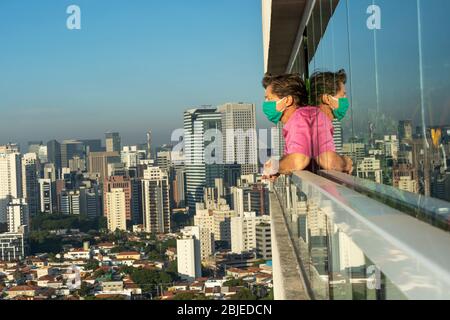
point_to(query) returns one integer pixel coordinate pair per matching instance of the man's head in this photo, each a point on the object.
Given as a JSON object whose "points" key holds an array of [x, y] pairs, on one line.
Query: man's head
{"points": [[326, 88], [290, 87]]}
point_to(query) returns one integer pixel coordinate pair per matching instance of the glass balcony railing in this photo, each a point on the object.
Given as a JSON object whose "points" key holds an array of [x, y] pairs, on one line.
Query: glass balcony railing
{"points": [[331, 242]]}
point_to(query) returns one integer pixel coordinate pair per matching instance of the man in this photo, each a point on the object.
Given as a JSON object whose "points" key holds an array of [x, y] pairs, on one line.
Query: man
{"points": [[328, 91], [307, 130]]}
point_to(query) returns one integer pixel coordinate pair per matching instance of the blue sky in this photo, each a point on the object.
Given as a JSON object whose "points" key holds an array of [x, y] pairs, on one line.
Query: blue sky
{"points": [[134, 65], [139, 64]]}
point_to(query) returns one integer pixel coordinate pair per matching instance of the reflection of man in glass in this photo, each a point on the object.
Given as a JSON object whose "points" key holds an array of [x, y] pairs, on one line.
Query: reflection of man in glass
{"points": [[307, 130]]}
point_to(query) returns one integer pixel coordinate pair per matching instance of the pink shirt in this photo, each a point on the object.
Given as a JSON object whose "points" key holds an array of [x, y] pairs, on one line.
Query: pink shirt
{"points": [[309, 132]]}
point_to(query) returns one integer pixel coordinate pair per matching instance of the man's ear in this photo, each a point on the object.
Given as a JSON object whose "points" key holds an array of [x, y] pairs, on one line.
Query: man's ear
{"points": [[325, 99], [290, 101]]}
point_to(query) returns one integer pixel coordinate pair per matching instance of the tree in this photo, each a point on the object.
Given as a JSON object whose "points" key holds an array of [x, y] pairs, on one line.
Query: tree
{"points": [[148, 280], [184, 296], [18, 275], [233, 283], [43, 241], [269, 295], [85, 289], [91, 265], [172, 267], [244, 294], [98, 273]]}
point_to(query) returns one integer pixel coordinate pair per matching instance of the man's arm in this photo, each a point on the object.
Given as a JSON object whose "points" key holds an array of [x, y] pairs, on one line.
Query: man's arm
{"points": [[333, 161], [293, 162]]}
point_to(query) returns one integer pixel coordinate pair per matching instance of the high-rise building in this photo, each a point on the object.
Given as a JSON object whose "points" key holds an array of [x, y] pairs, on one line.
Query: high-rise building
{"points": [[113, 142], [391, 147], [92, 145], [199, 127], [39, 149], [405, 177], [124, 184], [178, 188], [243, 231], [338, 136], [12, 247], [222, 223], [10, 148], [54, 153], [251, 198], [90, 202], [30, 184], [240, 142], [149, 144], [116, 207], [131, 155], [70, 149], [204, 219], [263, 240], [405, 130], [50, 172], [163, 160], [46, 196], [370, 168], [10, 179], [70, 202], [189, 254], [155, 201], [17, 217], [77, 164], [98, 163]]}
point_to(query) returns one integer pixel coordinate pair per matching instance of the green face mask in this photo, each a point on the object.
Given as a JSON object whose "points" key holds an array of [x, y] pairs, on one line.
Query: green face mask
{"points": [[271, 112], [341, 111]]}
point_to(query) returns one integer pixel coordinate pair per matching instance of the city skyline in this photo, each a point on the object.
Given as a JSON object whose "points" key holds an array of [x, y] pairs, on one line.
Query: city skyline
{"points": [[135, 67]]}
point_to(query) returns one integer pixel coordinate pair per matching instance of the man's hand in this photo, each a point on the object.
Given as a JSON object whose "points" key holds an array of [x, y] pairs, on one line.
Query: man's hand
{"points": [[272, 178], [271, 169], [348, 165]]}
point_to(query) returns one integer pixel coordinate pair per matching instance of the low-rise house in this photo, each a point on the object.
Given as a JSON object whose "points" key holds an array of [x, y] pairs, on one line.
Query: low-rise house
{"points": [[229, 291], [106, 247], [131, 288], [55, 284], [111, 287], [124, 262], [132, 255], [44, 280], [144, 264], [213, 292], [240, 273], [212, 283], [197, 286], [262, 278], [43, 271], [25, 290], [179, 287], [103, 296], [37, 262], [77, 254]]}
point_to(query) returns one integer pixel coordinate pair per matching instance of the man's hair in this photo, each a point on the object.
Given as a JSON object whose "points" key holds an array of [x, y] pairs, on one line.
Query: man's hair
{"points": [[322, 83], [287, 85]]}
